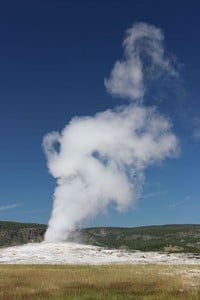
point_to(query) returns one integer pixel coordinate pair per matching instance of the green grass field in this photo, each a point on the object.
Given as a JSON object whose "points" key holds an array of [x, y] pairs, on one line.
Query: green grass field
{"points": [[110, 282]]}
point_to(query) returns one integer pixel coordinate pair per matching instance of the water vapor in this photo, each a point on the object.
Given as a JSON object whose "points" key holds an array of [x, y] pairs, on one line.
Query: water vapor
{"points": [[101, 159], [144, 60]]}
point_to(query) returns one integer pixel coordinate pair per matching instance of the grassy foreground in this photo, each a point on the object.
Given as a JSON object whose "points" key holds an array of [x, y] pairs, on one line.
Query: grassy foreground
{"points": [[106, 282]]}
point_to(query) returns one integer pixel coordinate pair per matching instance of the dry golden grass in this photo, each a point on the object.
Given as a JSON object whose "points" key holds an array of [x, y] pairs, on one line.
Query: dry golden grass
{"points": [[107, 282]]}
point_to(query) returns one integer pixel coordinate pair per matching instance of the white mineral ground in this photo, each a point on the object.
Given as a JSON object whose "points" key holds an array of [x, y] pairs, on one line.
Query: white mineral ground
{"points": [[72, 253]]}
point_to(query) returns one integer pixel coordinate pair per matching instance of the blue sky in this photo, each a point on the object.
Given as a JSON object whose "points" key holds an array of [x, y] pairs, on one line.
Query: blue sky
{"points": [[54, 56]]}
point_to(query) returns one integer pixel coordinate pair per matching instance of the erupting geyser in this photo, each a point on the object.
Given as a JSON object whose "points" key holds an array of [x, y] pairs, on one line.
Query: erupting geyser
{"points": [[102, 158]]}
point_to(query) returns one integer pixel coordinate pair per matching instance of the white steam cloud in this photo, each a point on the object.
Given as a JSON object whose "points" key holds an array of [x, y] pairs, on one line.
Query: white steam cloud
{"points": [[144, 60], [102, 158]]}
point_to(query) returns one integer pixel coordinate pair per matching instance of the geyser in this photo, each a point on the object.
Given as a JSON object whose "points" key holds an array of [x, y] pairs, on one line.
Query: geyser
{"points": [[102, 158]]}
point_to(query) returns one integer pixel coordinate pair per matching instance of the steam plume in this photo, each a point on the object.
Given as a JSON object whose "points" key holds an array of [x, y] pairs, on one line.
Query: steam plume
{"points": [[144, 59], [102, 158]]}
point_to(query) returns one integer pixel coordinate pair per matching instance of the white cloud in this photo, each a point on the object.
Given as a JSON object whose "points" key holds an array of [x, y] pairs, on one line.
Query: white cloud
{"points": [[144, 59], [9, 206], [152, 195]]}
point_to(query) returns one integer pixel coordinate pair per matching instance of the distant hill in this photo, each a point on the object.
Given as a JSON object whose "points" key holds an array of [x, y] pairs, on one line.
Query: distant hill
{"points": [[169, 238], [14, 233]]}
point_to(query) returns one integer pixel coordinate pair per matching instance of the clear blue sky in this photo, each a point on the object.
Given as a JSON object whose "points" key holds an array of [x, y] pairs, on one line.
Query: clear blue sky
{"points": [[54, 56]]}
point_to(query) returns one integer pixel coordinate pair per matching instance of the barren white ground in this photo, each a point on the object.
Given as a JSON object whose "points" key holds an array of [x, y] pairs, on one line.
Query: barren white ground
{"points": [[71, 253]]}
